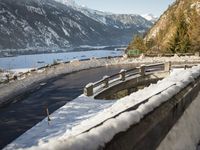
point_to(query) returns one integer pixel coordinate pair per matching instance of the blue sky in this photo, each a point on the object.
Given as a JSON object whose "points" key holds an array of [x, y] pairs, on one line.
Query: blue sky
{"points": [[156, 7]]}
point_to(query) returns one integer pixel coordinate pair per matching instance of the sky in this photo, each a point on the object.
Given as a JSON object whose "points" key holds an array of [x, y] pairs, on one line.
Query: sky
{"points": [[155, 7]]}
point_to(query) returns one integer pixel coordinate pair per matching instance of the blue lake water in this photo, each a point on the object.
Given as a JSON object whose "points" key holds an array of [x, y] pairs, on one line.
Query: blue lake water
{"points": [[38, 60]]}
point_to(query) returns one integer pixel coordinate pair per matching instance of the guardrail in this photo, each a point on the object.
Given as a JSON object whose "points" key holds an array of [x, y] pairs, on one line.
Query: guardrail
{"points": [[90, 88]]}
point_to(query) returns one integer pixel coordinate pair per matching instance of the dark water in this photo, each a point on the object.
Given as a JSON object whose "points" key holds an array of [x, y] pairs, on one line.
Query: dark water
{"points": [[18, 117]]}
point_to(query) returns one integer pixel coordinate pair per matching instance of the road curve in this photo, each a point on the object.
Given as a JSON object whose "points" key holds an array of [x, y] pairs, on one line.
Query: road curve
{"points": [[20, 116]]}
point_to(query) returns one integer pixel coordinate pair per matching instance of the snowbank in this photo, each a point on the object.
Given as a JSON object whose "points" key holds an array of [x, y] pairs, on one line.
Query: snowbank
{"points": [[62, 120], [99, 129], [21, 70]]}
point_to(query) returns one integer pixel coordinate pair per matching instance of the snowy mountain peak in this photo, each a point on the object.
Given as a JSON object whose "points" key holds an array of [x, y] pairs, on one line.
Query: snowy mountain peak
{"points": [[67, 2], [150, 17]]}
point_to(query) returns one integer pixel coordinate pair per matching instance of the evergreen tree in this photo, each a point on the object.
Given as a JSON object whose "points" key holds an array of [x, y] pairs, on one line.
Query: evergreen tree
{"points": [[138, 43], [180, 42], [194, 30], [150, 43], [173, 43]]}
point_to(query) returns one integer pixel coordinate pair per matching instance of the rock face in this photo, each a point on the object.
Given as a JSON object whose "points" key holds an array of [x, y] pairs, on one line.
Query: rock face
{"points": [[51, 24], [181, 13]]}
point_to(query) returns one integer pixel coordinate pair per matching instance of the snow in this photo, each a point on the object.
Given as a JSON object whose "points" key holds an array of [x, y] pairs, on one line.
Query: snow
{"points": [[150, 17], [102, 124], [174, 59], [35, 10], [62, 120], [53, 32], [68, 3], [89, 85], [21, 70], [66, 32], [122, 70], [185, 135], [3, 76]]}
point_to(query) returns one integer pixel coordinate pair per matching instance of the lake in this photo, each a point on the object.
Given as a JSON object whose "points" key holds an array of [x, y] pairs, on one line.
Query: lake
{"points": [[39, 60]]}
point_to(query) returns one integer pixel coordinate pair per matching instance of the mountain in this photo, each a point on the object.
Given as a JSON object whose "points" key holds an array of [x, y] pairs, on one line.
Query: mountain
{"points": [[150, 17], [62, 24], [122, 21], [177, 30]]}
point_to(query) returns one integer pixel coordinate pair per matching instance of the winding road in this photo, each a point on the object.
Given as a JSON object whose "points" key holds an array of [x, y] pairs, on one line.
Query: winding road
{"points": [[20, 116]]}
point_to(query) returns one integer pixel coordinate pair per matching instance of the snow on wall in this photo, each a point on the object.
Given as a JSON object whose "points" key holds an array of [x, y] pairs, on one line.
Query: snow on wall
{"points": [[185, 134], [77, 139]]}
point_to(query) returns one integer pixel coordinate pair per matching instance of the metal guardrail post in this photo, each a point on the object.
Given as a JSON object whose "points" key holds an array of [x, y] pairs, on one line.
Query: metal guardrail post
{"points": [[48, 116], [167, 66], [142, 70], [106, 81], [88, 90], [123, 75], [185, 67]]}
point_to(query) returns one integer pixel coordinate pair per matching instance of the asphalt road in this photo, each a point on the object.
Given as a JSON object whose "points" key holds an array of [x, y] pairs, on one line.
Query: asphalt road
{"points": [[20, 116]]}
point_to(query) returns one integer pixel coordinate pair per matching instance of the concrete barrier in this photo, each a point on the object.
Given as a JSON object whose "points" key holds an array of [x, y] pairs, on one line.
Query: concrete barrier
{"points": [[153, 128], [127, 79], [128, 84]]}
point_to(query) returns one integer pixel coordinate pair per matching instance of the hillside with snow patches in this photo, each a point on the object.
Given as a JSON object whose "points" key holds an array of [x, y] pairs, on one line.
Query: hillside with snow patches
{"points": [[62, 23]]}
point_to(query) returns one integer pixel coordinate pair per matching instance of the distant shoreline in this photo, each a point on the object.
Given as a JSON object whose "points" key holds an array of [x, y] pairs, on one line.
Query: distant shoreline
{"points": [[34, 51]]}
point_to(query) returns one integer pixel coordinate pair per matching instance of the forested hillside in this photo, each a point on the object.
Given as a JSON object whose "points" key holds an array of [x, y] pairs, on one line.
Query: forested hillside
{"points": [[177, 30]]}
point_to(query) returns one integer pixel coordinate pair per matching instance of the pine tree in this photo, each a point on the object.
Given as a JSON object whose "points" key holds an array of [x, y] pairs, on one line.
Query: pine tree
{"points": [[173, 43], [194, 30], [180, 42], [150, 43], [138, 43]]}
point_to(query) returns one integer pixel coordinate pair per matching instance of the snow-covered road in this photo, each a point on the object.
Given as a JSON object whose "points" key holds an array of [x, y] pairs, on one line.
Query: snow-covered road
{"points": [[67, 137]]}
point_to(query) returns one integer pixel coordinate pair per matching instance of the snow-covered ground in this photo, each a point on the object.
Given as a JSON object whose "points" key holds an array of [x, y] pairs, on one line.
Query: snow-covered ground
{"points": [[62, 120], [174, 59], [22, 70], [98, 121]]}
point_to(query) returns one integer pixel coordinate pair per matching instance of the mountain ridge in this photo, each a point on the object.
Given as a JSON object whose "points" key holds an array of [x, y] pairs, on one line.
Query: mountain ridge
{"points": [[47, 23]]}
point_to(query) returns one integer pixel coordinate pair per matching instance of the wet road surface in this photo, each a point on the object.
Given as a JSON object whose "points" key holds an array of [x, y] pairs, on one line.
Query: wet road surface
{"points": [[20, 116]]}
